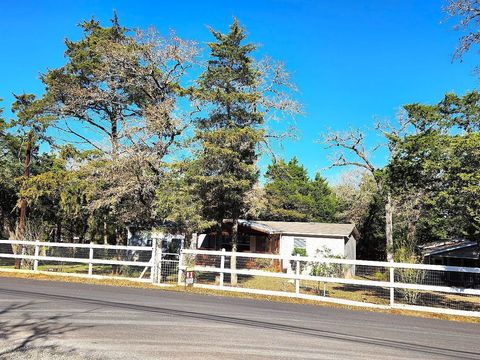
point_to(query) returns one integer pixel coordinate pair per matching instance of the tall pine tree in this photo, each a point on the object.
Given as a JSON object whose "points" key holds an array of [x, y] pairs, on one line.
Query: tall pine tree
{"points": [[229, 135]]}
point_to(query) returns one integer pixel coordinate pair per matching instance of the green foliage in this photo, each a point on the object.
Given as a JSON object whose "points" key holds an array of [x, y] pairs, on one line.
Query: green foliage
{"points": [[326, 269], [359, 202], [31, 116], [299, 251], [178, 203], [409, 276], [441, 160], [10, 169], [292, 196], [224, 168], [372, 230], [88, 90], [61, 195]]}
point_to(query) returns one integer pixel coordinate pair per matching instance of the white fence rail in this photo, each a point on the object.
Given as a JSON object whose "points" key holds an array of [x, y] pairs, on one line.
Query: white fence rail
{"points": [[442, 289], [435, 288], [92, 260]]}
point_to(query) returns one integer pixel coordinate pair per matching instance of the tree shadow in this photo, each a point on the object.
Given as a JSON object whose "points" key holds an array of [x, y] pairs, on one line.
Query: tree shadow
{"points": [[26, 332], [440, 300]]}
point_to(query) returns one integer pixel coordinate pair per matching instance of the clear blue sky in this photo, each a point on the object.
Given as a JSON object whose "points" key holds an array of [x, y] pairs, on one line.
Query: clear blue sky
{"points": [[352, 59]]}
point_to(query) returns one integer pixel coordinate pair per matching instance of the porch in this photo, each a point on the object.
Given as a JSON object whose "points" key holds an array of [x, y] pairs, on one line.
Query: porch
{"points": [[249, 240]]}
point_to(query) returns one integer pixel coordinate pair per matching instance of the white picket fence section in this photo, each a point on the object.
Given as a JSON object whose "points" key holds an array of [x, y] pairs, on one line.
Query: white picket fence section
{"points": [[46, 247], [206, 261]]}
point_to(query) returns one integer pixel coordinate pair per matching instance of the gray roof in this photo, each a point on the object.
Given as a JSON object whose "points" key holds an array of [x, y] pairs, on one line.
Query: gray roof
{"points": [[445, 246], [302, 228]]}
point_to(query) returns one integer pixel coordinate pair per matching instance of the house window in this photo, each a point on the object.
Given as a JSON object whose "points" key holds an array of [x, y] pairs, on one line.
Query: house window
{"points": [[261, 244], [300, 243]]}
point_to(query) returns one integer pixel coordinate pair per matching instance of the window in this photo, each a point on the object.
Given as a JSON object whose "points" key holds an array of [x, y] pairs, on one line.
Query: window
{"points": [[300, 243]]}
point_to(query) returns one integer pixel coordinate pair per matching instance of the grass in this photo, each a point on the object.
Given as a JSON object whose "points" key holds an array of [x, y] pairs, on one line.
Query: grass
{"points": [[69, 268], [374, 295], [209, 292]]}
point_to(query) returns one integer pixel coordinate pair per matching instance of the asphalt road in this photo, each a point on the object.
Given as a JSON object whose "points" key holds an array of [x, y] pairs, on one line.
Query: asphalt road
{"points": [[54, 320]]}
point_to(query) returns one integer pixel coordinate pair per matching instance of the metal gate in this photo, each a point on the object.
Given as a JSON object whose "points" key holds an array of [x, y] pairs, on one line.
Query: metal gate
{"points": [[165, 269]]}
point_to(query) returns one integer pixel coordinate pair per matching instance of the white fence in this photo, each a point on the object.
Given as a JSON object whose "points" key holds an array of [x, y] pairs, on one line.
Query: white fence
{"points": [[91, 260], [140, 263], [434, 288], [441, 289]]}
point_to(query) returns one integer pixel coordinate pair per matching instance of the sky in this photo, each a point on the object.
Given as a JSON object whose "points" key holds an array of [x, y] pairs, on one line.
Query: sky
{"points": [[352, 60]]}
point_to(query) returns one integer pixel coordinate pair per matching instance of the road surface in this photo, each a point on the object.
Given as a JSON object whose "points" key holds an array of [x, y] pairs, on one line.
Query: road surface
{"points": [[56, 320]]}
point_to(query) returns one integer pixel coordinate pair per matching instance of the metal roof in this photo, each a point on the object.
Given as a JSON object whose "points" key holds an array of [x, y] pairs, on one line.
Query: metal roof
{"points": [[302, 228], [444, 246]]}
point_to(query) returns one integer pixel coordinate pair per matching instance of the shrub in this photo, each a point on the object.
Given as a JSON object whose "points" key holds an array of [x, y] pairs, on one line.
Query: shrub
{"points": [[409, 276], [258, 264], [326, 269]]}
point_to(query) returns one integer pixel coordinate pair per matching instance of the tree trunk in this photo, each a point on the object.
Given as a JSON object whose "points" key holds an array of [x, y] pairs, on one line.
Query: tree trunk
{"points": [[233, 259], [389, 227], [58, 231], [105, 233], [23, 202], [114, 138], [193, 242]]}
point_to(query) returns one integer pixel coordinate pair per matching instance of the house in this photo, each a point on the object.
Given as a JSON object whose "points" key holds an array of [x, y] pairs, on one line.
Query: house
{"points": [[454, 252], [282, 237]]}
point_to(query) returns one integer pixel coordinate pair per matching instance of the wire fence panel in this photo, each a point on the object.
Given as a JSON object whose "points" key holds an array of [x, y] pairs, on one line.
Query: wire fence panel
{"points": [[454, 290]]}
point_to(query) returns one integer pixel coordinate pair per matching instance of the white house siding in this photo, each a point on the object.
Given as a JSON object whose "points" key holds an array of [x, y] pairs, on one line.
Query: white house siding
{"points": [[313, 246], [351, 248]]}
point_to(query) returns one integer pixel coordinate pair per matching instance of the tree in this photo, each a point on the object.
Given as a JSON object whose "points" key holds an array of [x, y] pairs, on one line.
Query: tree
{"points": [[292, 196], [10, 168], [31, 124], [238, 94], [288, 192], [178, 204], [439, 160], [231, 133], [118, 94], [359, 202], [60, 195], [354, 153], [354, 193], [324, 201], [467, 12], [89, 91]]}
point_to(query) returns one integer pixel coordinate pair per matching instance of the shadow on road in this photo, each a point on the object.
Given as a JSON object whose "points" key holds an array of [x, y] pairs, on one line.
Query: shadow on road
{"points": [[25, 333], [321, 334]]}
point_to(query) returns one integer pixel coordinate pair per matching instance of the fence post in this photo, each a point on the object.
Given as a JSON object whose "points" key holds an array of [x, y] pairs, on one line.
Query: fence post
{"points": [[180, 264], [297, 274], [392, 281], [36, 253], [158, 264], [90, 258], [222, 266], [153, 259]]}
